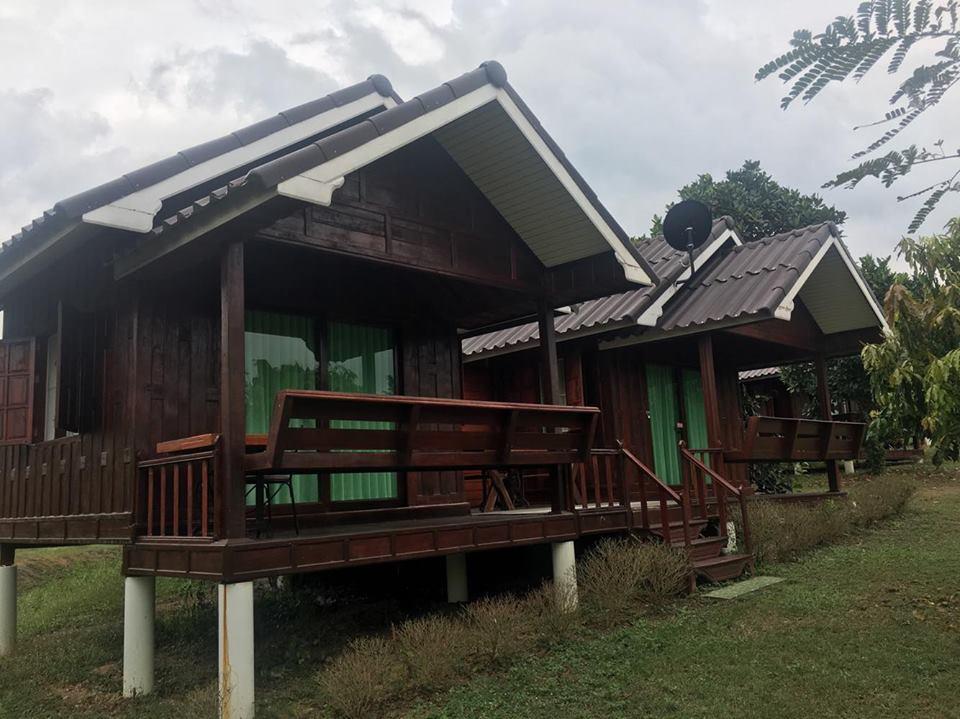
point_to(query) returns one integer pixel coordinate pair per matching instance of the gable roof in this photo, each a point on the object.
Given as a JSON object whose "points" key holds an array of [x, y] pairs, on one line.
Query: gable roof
{"points": [[501, 146], [749, 282], [626, 309], [133, 200], [763, 279], [477, 117]]}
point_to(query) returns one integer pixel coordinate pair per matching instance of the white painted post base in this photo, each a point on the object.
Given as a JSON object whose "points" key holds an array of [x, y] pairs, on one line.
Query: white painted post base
{"points": [[139, 609], [235, 622], [565, 575], [8, 609], [848, 466], [457, 590]]}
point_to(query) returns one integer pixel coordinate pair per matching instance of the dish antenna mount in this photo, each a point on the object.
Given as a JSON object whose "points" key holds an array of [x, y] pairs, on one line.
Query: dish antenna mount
{"points": [[687, 226]]}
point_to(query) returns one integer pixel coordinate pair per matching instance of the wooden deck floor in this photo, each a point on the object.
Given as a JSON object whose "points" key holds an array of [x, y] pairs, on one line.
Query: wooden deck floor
{"points": [[326, 547]]}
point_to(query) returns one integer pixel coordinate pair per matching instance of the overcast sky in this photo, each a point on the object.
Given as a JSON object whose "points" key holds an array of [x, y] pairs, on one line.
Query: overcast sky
{"points": [[642, 96]]}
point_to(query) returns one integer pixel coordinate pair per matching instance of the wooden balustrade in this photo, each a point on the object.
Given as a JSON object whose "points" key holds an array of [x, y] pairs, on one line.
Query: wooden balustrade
{"points": [[695, 472], [178, 495], [790, 439]]}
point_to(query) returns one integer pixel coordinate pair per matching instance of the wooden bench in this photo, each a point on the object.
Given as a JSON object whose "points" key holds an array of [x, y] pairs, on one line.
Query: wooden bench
{"points": [[787, 439], [418, 433]]}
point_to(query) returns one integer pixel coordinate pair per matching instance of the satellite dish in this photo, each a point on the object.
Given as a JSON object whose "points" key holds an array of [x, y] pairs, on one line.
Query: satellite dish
{"points": [[687, 226]]}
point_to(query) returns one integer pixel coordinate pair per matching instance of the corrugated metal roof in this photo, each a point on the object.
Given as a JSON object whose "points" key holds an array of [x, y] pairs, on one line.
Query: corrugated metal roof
{"points": [[763, 373], [269, 174], [749, 280], [72, 208], [625, 307]]}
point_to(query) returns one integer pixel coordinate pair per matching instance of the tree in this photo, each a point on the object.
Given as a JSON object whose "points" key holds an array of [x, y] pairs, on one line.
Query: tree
{"points": [[915, 372], [849, 48], [758, 204]]}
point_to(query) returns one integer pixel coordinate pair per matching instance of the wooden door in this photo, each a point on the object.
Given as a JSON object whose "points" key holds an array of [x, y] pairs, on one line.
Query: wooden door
{"points": [[17, 370]]}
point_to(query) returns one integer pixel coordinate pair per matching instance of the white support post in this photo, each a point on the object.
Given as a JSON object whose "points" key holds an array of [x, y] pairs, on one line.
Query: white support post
{"points": [[848, 466], [8, 609], [235, 615], [139, 609], [565, 575], [457, 590]]}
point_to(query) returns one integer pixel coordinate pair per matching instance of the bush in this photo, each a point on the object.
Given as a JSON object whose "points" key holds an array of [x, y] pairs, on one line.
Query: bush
{"points": [[619, 576], [362, 681], [433, 650], [782, 531], [498, 629], [771, 477]]}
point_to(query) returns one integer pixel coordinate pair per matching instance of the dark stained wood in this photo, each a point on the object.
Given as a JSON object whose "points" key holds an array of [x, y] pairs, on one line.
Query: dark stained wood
{"points": [[826, 412], [190, 444], [788, 439], [18, 376], [229, 491]]}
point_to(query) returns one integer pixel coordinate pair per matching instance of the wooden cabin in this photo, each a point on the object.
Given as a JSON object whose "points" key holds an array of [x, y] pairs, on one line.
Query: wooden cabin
{"points": [[243, 360], [664, 363]]}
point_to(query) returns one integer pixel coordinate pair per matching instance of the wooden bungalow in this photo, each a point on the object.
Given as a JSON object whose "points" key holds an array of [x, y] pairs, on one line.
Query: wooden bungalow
{"points": [[243, 360], [663, 364]]}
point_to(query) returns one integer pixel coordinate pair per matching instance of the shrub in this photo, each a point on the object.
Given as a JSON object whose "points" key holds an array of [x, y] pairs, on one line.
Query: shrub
{"points": [[782, 531], [619, 576], [433, 650], [771, 477], [362, 681], [871, 501], [498, 630], [550, 623]]}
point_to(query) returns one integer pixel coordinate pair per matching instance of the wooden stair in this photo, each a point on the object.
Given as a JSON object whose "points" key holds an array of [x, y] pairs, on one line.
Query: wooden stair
{"points": [[706, 552]]}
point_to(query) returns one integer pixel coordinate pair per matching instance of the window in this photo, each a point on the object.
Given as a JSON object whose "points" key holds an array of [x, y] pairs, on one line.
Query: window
{"points": [[283, 352], [361, 358]]}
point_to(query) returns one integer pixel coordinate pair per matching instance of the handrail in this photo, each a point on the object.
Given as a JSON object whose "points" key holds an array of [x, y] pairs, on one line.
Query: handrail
{"points": [[649, 472], [721, 486], [665, 491], [704, 468]]}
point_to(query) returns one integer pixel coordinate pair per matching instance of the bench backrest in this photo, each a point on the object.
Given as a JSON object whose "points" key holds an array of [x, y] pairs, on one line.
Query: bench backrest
{"points": [[777, 439], [330, 431]]}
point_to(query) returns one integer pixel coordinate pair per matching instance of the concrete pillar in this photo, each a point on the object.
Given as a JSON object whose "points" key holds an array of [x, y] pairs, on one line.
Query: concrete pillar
{"points": [[139, 609], [8, 608], [848, 466], [235, 622], [457, 578], [565, 575]]}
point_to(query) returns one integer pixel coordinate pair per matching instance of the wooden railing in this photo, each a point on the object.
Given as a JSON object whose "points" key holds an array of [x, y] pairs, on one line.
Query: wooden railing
{"points": [[790, 439], [178, 498], [665, 494], [694, 473]]}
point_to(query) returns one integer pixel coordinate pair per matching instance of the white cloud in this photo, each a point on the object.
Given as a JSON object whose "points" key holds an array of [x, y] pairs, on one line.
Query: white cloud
{"points": [[642, 97]]}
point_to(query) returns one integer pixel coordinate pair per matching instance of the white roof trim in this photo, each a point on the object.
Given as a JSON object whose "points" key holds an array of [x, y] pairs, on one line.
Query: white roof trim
{"points": [[785, 309], [651, 316], [312, 185], [137, 211]]}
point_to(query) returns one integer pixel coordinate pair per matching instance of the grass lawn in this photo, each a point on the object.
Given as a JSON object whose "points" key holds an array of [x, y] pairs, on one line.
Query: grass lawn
{"points": [[868, 628]]}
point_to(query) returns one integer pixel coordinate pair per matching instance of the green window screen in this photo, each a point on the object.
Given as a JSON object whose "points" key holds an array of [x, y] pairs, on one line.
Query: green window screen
{"points": [[361, 358], [280, 354], [664, 414]]}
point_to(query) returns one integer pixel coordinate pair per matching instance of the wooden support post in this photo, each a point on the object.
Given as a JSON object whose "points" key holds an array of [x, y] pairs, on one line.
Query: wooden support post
{"points": [[826, 412], [711, 401], [8, 600], [550, 380], [230, 487]]}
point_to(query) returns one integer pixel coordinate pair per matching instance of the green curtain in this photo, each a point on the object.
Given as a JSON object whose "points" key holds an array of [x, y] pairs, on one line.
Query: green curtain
{"points": [[361, 358], [664, 414], [696, 415], [280, 354]]}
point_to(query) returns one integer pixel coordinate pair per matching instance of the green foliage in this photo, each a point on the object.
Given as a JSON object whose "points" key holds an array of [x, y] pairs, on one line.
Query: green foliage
{"points": [[849, 48], [758, 204], [915, 372]]}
